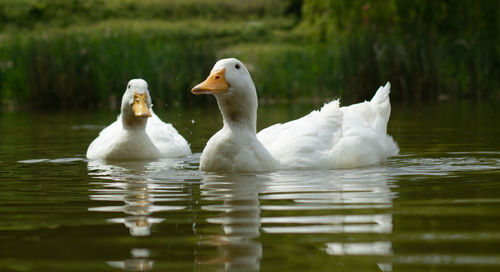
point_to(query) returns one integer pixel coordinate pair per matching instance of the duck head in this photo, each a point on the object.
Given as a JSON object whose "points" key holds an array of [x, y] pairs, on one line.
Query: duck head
{"points": [[231, 83], [136, 103]]}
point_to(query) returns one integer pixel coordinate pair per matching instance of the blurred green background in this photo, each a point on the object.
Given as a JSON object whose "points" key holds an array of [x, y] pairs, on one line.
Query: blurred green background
{"points": [[81, 54]]}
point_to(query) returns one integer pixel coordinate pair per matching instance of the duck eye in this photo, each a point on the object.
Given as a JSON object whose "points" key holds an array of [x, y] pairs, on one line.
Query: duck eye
{"points": [[128, 86], [237, 66]]}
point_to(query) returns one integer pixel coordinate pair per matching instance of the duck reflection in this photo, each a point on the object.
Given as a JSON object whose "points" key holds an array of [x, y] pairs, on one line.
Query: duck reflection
{"points": [[353, 202], [350, 201], [239, 218], [127, 183], [137, 186], [139, 261], [330, 202]]}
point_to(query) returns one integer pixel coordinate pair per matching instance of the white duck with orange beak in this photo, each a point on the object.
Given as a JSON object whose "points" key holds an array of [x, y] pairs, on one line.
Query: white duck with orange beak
{"points": [[138, 134], [330, 138]]}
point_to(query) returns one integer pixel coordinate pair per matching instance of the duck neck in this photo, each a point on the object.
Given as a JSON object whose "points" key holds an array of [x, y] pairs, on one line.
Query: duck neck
{"points": [[237, 115]]}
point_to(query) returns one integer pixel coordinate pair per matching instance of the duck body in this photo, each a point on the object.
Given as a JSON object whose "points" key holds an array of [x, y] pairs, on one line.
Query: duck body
{"points": [[166, 138], [118, 143], [133, 137], [231, 149], [330, 138], [334, 137]]}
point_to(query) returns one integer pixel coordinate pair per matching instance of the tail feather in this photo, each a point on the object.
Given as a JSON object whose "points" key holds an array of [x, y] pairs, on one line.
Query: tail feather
{"points": [[382, 94], [382, 107]]}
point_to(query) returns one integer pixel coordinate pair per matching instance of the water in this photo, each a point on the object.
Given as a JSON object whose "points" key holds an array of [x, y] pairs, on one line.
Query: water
{"points": [[434, 207]]}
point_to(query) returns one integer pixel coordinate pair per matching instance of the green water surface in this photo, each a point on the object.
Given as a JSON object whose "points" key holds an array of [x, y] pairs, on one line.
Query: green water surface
{"points": [[436, 206]]}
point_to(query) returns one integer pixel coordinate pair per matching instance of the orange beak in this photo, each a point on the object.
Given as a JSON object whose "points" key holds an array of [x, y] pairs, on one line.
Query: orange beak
{"points": [[215, 83], [140, 106]]}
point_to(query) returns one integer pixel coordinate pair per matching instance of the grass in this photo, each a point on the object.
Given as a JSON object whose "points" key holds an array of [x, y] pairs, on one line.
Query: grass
{"points": [[428, 49], [49, 59], [31, 14], [87, 66], [285, 71]]}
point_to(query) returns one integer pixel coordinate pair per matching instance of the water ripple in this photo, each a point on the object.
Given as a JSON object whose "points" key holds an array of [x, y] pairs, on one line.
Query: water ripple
{"points": [[134, 184], [358, 202]]}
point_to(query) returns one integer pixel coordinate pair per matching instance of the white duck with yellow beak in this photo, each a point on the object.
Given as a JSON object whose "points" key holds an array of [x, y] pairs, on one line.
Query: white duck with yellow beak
{"points": [[132, 136], [333, 137]]}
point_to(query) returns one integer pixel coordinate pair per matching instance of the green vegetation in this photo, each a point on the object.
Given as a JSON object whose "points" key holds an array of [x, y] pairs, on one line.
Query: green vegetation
{"points": [[87, 65], [62, 54], [425, 48]]}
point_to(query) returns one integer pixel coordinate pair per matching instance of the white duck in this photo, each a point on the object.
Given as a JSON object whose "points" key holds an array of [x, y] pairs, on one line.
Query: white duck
{"points": [[333, 137], [132, 136]]}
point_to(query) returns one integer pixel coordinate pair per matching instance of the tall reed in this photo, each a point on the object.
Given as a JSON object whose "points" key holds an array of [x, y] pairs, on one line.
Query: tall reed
{"points": [[428, 49], [87, 66]]}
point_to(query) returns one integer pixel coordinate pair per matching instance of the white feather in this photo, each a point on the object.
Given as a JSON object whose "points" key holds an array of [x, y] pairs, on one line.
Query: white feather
{"points": [[141, 139], [332, 137]]}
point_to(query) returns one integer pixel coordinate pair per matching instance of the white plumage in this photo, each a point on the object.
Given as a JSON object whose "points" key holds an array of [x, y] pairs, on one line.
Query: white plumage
{"points": [[166, 138], [132, 136], [332, 137]]}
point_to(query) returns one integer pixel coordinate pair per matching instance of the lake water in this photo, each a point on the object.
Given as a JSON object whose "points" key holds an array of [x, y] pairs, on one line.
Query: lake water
{"points": [[436, 206]]}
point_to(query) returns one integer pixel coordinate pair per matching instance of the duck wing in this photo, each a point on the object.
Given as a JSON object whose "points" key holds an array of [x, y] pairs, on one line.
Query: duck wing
{"points": [[101, 145], [305, 142], [166, 138], [334, 137]]}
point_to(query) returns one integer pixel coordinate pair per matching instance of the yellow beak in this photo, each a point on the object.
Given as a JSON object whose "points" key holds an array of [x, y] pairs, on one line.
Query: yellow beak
{"points": [[215, 83], [140, 106]]}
